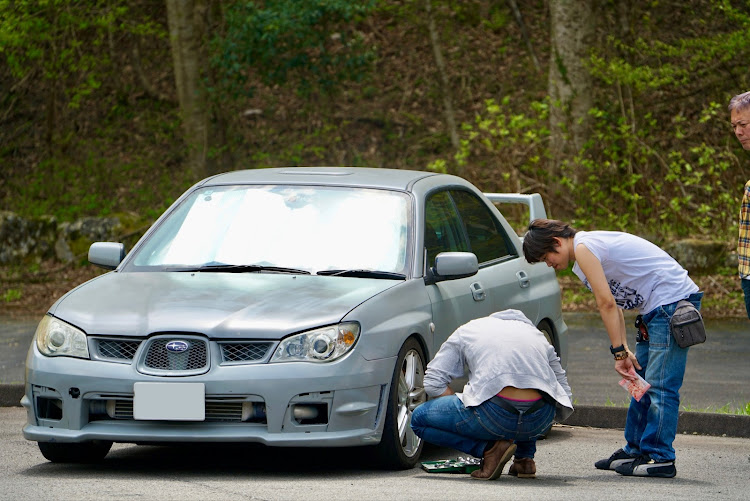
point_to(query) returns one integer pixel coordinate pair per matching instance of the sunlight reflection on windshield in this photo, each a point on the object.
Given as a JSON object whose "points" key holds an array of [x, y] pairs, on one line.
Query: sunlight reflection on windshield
{"points": [[311, 228]]}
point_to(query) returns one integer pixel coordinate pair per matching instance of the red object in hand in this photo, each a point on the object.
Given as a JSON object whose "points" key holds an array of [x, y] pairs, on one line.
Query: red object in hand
{"points": [[636, 387]]}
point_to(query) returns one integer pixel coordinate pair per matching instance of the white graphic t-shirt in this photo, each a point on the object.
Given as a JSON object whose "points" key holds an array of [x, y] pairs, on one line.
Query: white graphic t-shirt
{"points": [[640, 275]]}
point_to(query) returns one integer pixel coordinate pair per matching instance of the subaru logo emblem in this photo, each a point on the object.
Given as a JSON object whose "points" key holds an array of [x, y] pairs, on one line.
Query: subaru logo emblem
{"points": [[177, 346]]}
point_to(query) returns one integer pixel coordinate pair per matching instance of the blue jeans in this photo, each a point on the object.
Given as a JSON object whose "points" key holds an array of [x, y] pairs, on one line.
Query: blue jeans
{"points": [[446, 422], [652, 423], [746, 289]]}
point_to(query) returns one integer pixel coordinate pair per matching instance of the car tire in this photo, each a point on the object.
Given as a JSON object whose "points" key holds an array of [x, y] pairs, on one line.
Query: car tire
{"points": [[399, 446], [549, 333], [84, 452]]}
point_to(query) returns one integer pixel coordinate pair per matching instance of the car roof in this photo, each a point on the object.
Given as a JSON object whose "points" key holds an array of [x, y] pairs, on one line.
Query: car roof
{"points": [[340, 176]]}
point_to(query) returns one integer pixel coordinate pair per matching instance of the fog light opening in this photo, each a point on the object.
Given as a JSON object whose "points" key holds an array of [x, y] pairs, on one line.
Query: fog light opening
{"points": [[102, 409], [97, 408], [310, 413], [49, 408], [254, 412]]}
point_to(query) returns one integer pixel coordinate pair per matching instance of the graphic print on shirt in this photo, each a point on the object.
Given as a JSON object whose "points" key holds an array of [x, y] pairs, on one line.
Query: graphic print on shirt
{"points": [[626, 297]]}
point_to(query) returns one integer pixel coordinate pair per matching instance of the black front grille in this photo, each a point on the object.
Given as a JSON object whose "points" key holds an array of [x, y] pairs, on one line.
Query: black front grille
{"points": [[116, 349], [245, 352], [217, 410], [123, 409], [160, 360]]}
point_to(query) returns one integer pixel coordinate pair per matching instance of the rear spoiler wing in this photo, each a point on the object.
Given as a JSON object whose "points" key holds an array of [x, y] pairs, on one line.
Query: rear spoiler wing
{"points": [[533, 201]]}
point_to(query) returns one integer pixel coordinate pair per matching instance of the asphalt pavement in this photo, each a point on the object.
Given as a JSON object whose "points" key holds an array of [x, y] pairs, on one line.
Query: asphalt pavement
{"points": [[717, 379], [714, 468]]}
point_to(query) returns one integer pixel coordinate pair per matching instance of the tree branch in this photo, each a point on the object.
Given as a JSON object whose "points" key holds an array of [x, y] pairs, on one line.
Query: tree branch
{"points": [[444, 84]]}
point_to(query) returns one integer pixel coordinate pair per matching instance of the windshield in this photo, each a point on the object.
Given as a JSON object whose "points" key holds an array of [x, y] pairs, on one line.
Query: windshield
{"points": [[301, 228]]}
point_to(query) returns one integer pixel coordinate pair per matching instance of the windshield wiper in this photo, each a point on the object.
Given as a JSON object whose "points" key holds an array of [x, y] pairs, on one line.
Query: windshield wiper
{"points": [[239, 268], [364, 274]]}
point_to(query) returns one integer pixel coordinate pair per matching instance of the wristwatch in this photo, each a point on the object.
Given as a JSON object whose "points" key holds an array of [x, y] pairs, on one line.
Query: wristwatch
{"points": [[619, 352]]}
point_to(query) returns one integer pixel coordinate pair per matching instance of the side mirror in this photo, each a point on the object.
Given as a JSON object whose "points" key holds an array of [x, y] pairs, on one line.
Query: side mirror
{"points": [[107, 255], [452, 265]]}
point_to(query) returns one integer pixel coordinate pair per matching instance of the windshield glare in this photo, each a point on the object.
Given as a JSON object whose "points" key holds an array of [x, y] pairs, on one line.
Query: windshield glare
{"points": [[309, 228]]}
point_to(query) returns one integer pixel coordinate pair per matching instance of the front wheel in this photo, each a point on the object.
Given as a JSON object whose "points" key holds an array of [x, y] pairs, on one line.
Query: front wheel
{"points": [[549, 334], [400, 447], [84, 452]]}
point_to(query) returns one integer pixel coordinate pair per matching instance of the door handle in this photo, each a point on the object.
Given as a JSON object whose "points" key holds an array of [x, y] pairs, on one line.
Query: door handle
{"points": [[523, 279], [477, 291]]}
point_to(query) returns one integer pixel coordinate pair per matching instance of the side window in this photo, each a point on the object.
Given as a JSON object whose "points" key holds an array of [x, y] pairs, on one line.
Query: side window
{"points": [[443, 227], [487, 238]]}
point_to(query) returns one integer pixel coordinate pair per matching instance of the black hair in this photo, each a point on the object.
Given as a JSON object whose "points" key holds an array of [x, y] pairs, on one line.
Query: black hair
{"points": [[540, 239]]}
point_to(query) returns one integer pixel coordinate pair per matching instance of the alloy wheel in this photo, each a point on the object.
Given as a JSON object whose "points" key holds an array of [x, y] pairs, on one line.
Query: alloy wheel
{"points": [[410, 394]]}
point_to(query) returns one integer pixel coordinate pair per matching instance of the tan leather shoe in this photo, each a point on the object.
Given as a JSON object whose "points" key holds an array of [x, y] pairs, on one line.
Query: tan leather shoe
{"points": [[523, 468], [494, 459]]}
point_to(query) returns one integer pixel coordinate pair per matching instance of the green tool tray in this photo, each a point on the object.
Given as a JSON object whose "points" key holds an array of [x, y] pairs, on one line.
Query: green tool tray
{"points": [[451, 466]]}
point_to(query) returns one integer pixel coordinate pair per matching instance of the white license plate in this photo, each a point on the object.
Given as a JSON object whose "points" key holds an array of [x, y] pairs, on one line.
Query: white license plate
{"points": [[169, 401]]}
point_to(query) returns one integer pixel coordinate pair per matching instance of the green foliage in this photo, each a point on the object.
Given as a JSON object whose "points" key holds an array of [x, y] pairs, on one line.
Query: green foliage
{"points": [[660, 171], [725, 409], [622, 180], [95, 186], [63, 40], [510, 143], [650, 63], [658, 161], [278, 40], [11, 295], [498, 19], [619, 180], [656, 172]]}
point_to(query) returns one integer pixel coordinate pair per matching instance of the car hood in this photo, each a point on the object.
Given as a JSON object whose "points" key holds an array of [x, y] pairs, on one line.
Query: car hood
{"points": [[219, 305]]}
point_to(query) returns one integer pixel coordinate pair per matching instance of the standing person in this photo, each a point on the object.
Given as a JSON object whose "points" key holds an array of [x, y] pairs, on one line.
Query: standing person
{"points": [[516, 388], [739, 116], [627, 272]]}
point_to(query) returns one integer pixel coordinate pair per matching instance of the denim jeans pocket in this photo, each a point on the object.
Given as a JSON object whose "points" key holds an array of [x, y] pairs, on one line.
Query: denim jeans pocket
{"points": [[657, 322], [472, 422], [536, 423]]}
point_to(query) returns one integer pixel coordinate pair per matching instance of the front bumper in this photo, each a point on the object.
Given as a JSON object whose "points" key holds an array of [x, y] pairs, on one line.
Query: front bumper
{"points": [[74, 400]]}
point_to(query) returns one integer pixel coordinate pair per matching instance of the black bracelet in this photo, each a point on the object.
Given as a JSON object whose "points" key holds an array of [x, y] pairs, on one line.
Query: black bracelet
{"points": [[617, 350]]}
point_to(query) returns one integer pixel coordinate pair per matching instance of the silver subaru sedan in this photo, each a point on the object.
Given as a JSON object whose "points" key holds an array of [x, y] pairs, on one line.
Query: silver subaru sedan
{"points": [[289, 307]]}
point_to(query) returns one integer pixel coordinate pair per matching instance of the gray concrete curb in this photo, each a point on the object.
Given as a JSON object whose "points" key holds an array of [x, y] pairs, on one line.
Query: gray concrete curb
{"points": [[10, 395], [701, 423]]}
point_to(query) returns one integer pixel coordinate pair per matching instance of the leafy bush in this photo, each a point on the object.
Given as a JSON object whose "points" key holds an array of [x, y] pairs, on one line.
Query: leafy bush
{"points": [[621, 179], [312, 44]]}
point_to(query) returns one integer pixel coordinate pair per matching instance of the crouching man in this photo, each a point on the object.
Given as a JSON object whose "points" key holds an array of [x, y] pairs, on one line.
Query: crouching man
{"points": [[516, 388]]}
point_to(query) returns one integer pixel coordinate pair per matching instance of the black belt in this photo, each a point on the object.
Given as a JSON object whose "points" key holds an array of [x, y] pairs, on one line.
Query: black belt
{"points": [[505, 404]]}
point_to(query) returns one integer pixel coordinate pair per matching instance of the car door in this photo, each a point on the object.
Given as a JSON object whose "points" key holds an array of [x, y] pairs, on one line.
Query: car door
{"points": [[458, 220], [454, 302], [504, 274]]}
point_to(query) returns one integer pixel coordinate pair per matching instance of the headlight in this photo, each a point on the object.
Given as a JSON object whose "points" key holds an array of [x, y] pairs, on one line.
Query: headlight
{"points": [[320, 345], [56, 338]]}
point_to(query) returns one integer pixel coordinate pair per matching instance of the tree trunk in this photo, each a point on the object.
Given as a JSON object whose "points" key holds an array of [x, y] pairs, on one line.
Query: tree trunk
{"points": [[185, 33], [572, 25], [221, 158]]}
